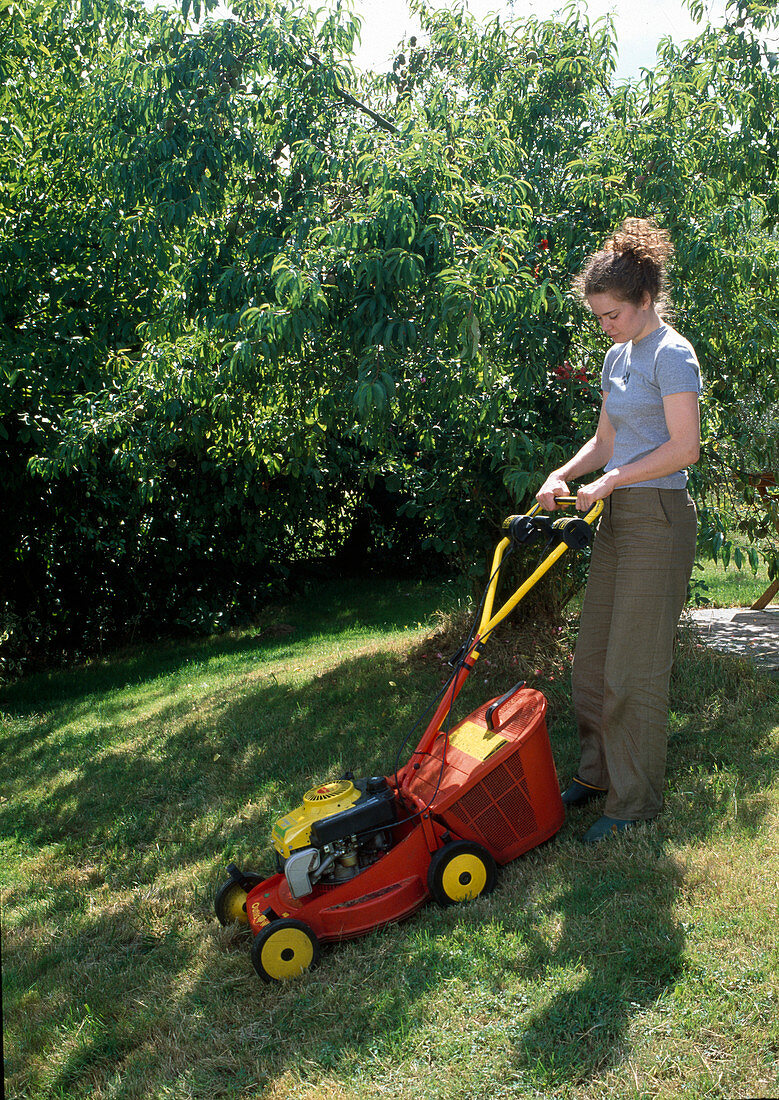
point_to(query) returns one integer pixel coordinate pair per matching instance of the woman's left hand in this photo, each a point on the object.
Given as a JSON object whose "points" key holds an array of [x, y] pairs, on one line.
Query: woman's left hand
{"points": [[599, 489]]}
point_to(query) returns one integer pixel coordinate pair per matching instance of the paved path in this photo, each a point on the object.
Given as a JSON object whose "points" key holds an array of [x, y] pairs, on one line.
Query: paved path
{"points": [[752, 634]]}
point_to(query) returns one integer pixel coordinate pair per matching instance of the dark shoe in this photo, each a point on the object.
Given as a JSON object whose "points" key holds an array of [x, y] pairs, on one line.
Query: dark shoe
{"points": [[606, 826], [580, 792]]}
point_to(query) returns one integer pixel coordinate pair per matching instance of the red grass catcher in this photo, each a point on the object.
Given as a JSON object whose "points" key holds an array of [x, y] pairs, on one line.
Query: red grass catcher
{"points": [[360, 853]]}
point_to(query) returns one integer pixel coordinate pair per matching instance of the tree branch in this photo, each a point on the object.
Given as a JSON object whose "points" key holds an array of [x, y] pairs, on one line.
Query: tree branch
{"points": [[348, 98]]}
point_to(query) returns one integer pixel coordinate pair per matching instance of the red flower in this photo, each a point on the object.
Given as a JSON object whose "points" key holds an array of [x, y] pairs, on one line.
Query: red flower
{"points": [[544, 243]]}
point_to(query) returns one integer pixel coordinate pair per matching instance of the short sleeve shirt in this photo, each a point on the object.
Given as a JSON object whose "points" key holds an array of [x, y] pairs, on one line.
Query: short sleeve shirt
{"points": [[635, 379]]}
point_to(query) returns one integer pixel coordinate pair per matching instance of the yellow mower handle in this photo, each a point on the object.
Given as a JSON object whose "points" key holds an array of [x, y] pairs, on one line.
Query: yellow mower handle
{"points": [[490, 621]]}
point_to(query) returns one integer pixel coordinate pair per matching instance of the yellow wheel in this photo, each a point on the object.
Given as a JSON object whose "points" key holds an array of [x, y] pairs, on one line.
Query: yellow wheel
{"points": [[285, 949], [230, 902], [460, 872]]}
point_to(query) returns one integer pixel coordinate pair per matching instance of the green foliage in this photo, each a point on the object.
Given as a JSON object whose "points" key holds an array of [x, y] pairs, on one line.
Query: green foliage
{"points": [[258, 307]]}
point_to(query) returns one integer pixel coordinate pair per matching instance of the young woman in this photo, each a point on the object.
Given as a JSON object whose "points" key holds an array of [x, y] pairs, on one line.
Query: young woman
{"points": [[648, 433]]}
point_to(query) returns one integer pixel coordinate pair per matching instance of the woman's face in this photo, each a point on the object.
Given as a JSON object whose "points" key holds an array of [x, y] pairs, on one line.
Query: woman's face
{"points": [[621, 320]]}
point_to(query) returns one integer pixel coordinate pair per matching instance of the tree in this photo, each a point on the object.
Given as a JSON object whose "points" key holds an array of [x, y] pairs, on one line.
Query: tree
{"points": [[295, 306], [66, 300]]}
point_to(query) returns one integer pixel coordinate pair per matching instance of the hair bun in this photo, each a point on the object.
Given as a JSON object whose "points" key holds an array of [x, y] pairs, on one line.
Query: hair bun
{"points": [[631, 264], [643, 239]]}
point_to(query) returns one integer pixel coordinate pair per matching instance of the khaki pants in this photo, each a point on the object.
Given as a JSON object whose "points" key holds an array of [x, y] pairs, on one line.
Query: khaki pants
{"points": [[642, 558]]}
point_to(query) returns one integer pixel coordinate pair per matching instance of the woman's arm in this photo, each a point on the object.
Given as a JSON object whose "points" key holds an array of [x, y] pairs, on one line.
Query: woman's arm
{"points": [[682, 449], [592, 456]]}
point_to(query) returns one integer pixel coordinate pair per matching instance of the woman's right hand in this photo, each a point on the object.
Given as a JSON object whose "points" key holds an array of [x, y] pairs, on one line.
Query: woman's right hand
{"points": [[554, 486]]}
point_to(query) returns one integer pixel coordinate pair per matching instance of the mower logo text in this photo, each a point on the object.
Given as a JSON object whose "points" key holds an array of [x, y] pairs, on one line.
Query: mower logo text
{"points": [[258, 917]]}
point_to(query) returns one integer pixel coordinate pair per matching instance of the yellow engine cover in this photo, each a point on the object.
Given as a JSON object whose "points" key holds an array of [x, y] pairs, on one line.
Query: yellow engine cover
{"points": [[293, 831]]}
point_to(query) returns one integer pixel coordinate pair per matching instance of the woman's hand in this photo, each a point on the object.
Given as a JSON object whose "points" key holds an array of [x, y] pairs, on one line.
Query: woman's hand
{"points": [[599, 489], [554, 486]]}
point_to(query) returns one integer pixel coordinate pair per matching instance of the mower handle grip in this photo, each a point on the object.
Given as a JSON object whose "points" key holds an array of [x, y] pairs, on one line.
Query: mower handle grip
{"points": [[593, 511]]}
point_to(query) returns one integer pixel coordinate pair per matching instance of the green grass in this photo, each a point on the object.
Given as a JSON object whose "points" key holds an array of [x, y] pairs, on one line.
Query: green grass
{"points": [[647, 967], [729, 587]]}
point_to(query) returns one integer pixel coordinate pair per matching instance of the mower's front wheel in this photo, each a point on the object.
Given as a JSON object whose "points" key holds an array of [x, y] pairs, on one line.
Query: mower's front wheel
{"points": [[285, 949], [230, 901], [461, 871]]}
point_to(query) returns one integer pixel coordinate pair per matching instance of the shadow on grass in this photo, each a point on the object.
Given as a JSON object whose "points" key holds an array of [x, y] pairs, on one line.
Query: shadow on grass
{"points": [[370, 605], [118, 977]]}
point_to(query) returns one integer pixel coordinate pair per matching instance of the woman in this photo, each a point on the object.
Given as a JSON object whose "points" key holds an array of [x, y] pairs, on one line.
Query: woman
{"points": [[648, 433]]}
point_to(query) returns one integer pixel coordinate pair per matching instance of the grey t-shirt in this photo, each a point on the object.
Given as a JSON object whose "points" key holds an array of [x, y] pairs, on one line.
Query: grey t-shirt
{"points": [[635, 379]]}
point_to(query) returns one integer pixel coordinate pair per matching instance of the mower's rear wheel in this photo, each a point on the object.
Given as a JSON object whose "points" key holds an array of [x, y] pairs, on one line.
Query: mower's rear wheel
{"points": [[461, 871], [285, 949], [230, 901]]}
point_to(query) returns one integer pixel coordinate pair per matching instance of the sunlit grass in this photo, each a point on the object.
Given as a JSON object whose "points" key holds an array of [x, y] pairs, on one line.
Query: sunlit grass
{"points": [[643, 968], [729, 587]]}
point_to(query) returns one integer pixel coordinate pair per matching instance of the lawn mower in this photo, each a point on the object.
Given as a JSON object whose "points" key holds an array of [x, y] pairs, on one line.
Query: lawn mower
{"points": [[361, 853]]}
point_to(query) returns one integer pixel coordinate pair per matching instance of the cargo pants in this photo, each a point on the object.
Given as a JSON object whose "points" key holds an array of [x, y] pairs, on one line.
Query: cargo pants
{"points": [[642, 559]]}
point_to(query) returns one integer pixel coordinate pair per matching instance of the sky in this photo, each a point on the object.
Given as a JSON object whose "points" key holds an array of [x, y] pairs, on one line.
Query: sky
{"points": [[640, 25]]}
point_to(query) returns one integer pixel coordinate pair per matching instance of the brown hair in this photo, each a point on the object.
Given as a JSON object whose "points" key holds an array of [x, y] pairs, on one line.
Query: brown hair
{"points": [[631, 263]]}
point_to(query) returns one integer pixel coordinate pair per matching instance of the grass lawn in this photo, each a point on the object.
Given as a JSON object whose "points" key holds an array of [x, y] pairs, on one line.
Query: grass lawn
{"points": [[729, 587], [646, 967]]}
